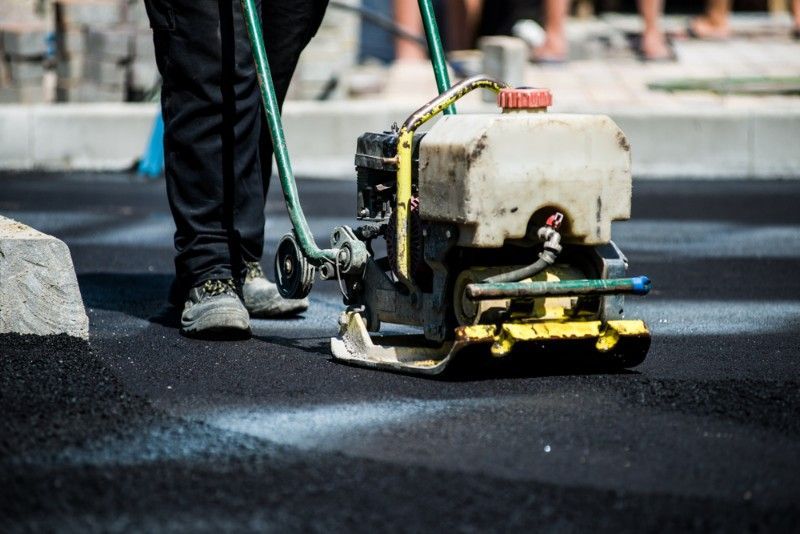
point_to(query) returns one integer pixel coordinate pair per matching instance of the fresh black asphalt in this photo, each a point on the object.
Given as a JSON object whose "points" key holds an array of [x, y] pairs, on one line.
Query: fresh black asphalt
{"points": [[143, 429]]}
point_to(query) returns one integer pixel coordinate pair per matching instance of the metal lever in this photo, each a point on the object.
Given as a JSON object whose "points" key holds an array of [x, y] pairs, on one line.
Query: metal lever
{"points": [[639, 285]]}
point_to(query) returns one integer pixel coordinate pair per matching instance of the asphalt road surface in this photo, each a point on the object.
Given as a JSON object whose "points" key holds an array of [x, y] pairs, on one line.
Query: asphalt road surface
{"points": [[143, 429]]}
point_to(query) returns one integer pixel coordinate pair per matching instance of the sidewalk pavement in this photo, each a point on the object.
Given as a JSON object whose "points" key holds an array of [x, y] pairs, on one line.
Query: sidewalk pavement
{"points": [[607, 77], [691, 134]]}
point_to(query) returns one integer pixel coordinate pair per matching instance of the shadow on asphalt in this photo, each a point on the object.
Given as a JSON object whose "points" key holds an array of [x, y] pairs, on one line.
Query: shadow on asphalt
{"points": [[142, 295], [311, 344], [525, 366], [145, 296], [470, 372]]}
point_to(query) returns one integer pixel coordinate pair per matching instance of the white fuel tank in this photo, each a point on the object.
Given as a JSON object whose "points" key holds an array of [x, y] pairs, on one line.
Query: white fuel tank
{"points": [[490, 174]]}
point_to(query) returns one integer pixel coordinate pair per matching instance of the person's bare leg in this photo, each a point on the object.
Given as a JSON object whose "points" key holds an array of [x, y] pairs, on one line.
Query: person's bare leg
{"points": [[714, 24], [796, 16], [462, 22], [555, 47], [654, 42], [406, 15], [474, 10], [456, 22]]}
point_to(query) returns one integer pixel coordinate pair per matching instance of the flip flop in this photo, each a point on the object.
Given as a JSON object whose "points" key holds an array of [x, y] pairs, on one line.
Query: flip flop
{"points": [[635, 42], [671, 57], [696, 36]]}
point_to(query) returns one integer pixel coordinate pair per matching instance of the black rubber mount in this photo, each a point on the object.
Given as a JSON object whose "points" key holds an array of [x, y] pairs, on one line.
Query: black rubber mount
{"points": [[294, 275]]}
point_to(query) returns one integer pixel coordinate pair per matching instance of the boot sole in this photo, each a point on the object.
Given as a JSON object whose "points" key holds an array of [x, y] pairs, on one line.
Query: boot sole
{"points": [[274, 313], [217, 326]]}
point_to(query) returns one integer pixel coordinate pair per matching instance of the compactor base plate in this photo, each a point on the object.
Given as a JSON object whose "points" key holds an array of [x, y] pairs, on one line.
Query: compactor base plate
{"points": [[617, 344]]}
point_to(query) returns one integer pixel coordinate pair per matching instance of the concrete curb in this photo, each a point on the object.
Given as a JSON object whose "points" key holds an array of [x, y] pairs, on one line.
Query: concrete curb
{"points": [[720, 143], [39, 291]]}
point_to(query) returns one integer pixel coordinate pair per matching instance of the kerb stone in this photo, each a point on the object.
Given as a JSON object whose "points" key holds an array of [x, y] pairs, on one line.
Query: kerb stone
{"points": [[39, 291]]}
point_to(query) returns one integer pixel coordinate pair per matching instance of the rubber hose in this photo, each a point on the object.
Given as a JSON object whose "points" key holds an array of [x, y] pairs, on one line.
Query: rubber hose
{"points": [[546, 259]]}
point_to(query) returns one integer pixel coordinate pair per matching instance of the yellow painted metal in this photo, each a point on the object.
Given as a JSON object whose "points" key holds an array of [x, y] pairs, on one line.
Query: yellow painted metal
{"points": [[354, 343], [555, 307], [405, 161], [607, 340], [550, 308], [507, 335], [445, 100], [617, 329]]}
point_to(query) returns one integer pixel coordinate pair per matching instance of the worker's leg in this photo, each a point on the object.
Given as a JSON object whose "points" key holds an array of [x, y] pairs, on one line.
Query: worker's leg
{"points": [[796, 16], [714, 24], [654, 43], [210, 116], [555, 47], [216, 173]]}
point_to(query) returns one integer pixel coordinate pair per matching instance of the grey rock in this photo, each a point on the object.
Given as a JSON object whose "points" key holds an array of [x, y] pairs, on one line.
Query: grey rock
{"points": [[39, 291]]}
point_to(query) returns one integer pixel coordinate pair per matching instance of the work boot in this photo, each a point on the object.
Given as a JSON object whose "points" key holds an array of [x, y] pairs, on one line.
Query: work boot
{"points": [[213, 310], [262, 299]]}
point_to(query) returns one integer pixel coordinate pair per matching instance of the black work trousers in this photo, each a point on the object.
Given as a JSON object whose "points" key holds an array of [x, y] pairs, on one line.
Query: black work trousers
{"points": [[217, 148]]}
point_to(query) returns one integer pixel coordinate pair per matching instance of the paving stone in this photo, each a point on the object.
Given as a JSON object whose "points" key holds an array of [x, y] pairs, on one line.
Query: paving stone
{"points": [[25, 72], [331, 53], [143, 47], [116, 43], [688, 143], [25, 94], [143, 74], [504, 58], [15, 132], [71, 42], [78, 13], [687, 134], [104, 72], [39, 294], [24, 40], [94, 136], [70, 70], [776, 146], [137, 15], [88, 92]]}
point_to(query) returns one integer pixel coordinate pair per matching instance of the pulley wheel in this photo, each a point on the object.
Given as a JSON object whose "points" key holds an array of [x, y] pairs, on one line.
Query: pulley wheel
{"points": [[294, 275]]}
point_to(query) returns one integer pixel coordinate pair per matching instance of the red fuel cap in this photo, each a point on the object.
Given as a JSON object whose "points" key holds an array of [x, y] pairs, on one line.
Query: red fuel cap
{"points": [[525, 98]]}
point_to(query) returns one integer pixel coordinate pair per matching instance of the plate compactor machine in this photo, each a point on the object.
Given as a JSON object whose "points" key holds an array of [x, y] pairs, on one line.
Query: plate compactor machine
{"points": [[496, 230]]}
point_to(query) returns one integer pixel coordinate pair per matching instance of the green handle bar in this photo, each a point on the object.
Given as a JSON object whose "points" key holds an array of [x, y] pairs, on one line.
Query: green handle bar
{"points": [[638, 285], [305, 238], [435, 49]]}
